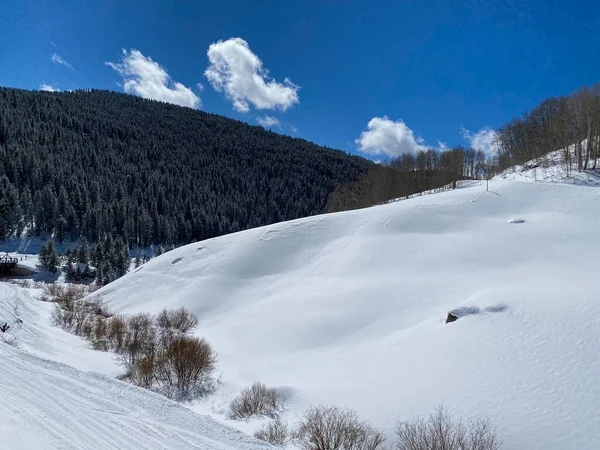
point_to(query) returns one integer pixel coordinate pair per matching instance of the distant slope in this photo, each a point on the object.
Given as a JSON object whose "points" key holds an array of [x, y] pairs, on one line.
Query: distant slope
{"points": [[551, 168], [95, 162], [349, 308], [49, 405]]}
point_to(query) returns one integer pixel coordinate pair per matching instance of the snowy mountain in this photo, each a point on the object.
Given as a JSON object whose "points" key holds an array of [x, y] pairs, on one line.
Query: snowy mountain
{"points": [[349, 309]]}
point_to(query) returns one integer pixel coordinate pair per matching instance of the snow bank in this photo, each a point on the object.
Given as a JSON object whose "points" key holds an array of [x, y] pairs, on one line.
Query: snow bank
{"points": [[349, 309]]}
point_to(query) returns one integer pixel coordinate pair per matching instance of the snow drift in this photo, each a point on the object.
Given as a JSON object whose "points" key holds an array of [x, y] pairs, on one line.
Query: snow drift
{"points": [[349, 308]]}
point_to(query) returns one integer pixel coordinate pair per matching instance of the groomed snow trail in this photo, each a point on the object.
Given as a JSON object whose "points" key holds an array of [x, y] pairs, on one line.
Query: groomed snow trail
{"points": [[49, 405], [349, 309]]}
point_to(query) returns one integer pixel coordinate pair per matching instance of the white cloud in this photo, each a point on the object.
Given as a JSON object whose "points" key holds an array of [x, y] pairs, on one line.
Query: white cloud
{"points": [[56, 58], [386, 137], [48, 88], [200, 86], [269, 121], [148, 79], [483, 140], [238, 72]]}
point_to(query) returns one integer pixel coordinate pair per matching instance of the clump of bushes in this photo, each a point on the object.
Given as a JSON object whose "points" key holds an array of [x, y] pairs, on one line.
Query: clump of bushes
{"points": [[257, 399], [331, 427], [335, 428], [156, 351], [275, 433], [441, 431]]}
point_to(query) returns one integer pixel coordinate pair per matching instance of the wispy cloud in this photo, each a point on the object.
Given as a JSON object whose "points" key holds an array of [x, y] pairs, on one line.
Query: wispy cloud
{"points": [[268, 121], [148, 79], [56, 58], [238, 72], [484, 139], [48, 88]]}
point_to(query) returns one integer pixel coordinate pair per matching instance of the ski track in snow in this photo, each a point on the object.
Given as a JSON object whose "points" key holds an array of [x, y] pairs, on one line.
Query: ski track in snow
{"points": [[49, 405]]}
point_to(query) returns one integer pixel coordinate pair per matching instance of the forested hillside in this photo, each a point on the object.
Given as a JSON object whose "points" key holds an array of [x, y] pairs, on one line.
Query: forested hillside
{"points": [[568, 123], [96, 163]]}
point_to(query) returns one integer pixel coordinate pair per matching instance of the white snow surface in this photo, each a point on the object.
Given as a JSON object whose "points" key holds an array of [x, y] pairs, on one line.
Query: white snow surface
{"points": [[47, 404], [349, 309]]}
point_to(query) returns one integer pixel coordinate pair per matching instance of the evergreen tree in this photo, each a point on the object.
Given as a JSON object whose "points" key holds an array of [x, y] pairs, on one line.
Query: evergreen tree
{"points": [[86, 271], [70, 273], [138, 260], [84, 252], [48, 256], [107, 271]]}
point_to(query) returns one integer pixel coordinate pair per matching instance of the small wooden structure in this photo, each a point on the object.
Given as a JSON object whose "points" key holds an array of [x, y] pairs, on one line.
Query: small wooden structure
{"points": [[8, 262]]}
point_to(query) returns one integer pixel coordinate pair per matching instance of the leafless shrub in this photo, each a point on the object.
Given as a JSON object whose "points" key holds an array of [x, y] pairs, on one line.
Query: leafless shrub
{"points": [[257, 399], [93, 287], [275, 432], [62, 317], [143, 374], [100, 334], [173, 323], [440, 431], [139, 340], [334, 428], [53, 289], [45, 298], [116, 329], [186, 367]]}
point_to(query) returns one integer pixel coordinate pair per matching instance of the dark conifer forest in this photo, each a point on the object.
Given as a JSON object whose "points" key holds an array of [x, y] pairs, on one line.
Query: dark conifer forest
{"points": [[97, 163]]}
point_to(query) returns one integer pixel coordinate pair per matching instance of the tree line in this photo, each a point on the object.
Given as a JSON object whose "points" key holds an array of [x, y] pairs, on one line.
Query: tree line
{"points": [[96, 163], [570, 124], [409, 174]]}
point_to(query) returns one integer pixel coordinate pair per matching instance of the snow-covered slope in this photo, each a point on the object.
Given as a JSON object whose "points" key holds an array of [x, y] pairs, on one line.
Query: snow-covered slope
{"points": [[45, 404], [349, 308], [551, 169]]}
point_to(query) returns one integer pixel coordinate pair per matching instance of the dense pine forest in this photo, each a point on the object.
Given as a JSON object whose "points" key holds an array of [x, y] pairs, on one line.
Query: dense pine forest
{"points": [[97, 163]]}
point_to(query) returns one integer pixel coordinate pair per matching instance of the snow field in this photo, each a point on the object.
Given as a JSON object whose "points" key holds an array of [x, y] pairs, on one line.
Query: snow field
{"points": [[349, 309]]}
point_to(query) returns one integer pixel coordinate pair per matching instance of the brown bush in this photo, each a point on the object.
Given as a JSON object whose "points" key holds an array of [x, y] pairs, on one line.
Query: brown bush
{"points": [[100, 334], [139, 340], [441, 432], [144, 373], [275, 432], [186, 367], [333, 428], [257, 399], [178, 321], [116, 329]]}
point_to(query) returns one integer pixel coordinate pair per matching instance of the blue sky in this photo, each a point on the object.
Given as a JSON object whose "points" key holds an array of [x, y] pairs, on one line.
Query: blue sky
{"points": [[384, 77]]}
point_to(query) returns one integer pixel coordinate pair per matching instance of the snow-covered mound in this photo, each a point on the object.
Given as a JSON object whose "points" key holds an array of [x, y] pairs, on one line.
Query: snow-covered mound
{"points": [[349, 308], [49, 405], [551, 169]]}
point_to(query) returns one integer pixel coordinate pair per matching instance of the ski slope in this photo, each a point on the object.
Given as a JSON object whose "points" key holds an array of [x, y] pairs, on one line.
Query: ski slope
{"points": [[46, 404], [349, 309]]}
